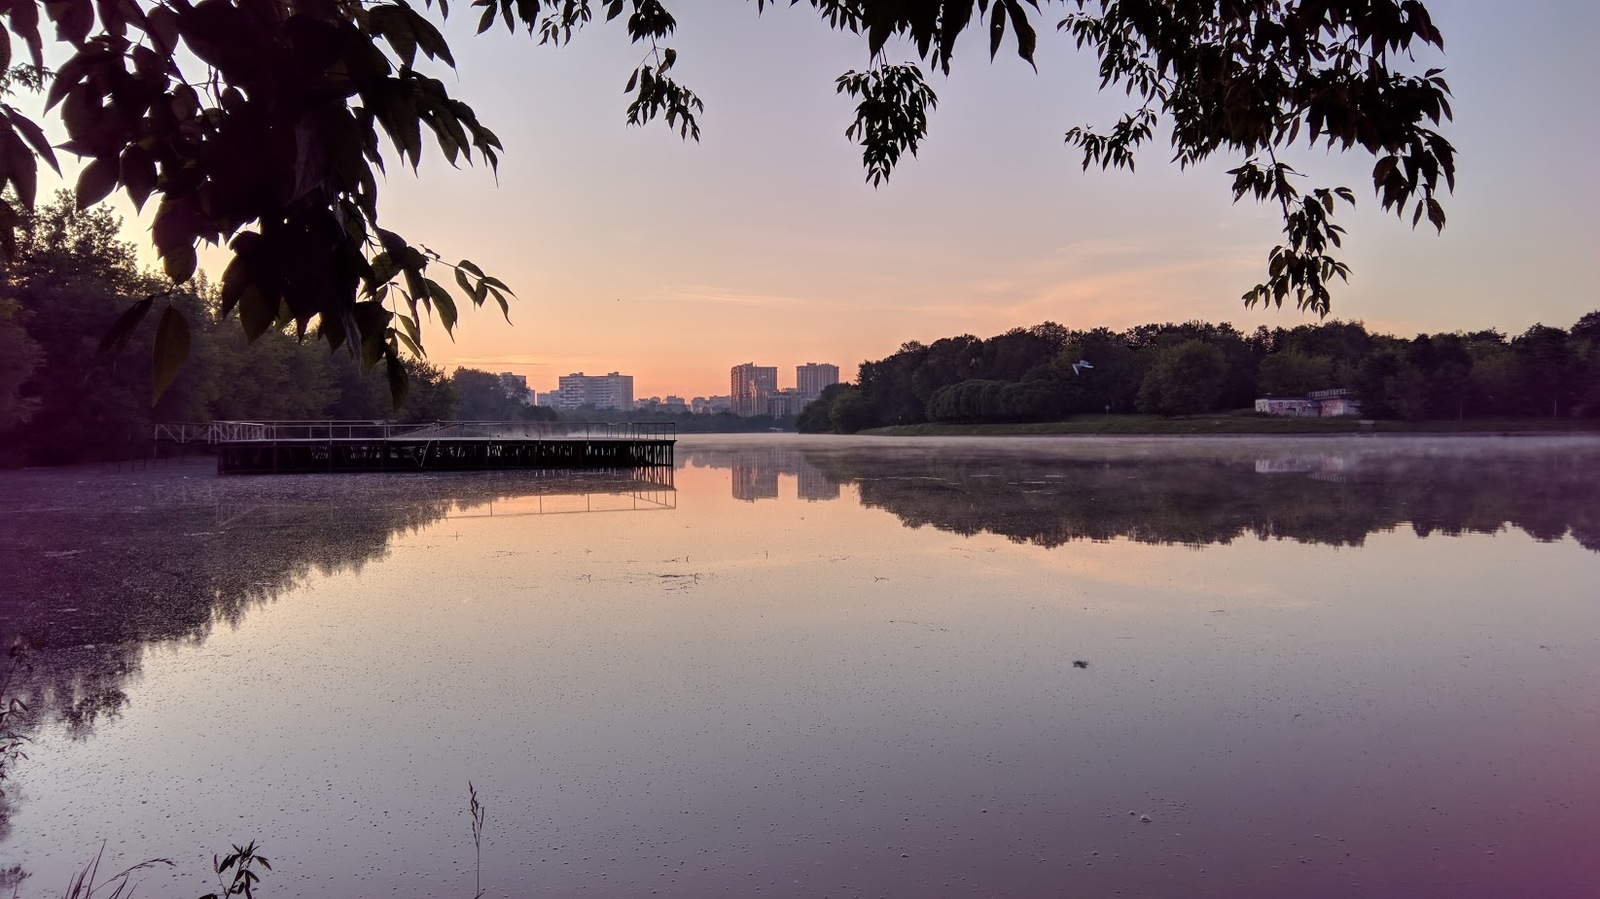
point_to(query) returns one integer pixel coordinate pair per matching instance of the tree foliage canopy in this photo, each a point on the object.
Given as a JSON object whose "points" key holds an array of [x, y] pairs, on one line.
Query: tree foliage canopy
{"points": [[264, 125], [1037, 374], [62, 401], [1183, 379]]}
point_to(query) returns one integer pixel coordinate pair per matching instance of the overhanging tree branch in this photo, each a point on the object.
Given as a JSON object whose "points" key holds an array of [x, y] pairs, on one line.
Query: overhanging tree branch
{"points": [[275, 152]]}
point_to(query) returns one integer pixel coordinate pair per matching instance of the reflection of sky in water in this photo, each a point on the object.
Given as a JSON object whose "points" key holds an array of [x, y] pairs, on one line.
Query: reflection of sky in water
{"points": [[721, 692]]}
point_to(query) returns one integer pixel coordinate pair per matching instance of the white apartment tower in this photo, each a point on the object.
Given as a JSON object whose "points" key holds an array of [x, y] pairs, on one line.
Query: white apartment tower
{"points": [[611, 391], [812, 377]]}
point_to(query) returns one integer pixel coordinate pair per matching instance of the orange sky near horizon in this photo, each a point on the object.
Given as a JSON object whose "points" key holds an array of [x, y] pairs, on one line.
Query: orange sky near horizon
{"points": [[631, 250]]}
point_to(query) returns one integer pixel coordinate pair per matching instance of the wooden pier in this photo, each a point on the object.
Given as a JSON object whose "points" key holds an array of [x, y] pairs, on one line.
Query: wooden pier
{"points": [[269, 447]]}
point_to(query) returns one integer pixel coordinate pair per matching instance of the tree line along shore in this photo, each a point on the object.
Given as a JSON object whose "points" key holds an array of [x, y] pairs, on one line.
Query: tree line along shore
{"points": [[1199, 377]]}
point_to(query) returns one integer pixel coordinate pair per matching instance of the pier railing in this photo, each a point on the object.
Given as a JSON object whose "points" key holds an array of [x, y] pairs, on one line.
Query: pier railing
{"points": [[539, 430], [219, 432]]}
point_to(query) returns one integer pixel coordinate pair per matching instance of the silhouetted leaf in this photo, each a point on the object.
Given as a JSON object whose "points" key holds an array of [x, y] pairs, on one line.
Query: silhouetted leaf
{"points": [[1435, 214], [19, 166], [171, 351], [121, 330], [445, 304], [179, 263], [257, 311], [410, 344], [96, 182], [399, 383], [73, 19], [138, 174], [997, 27], [372, 321], [34, 135]]}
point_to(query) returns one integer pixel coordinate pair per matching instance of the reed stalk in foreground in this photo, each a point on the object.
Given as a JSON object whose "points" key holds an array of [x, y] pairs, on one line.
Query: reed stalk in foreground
{"points": [[86, 885], [475, 809]]}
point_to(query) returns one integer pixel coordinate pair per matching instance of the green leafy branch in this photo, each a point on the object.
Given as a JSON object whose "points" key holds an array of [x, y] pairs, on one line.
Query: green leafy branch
{"points": [[242, 861], [1303, 268], [655, 91], [274, 152], [1252, 80], [892, 117]]}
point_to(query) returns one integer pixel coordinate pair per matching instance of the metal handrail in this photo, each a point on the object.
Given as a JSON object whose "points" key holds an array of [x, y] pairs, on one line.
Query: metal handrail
{"points": [[304, 431]]}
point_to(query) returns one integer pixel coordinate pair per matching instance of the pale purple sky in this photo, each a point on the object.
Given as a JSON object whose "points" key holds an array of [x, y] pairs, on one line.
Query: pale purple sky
{"points": [[632, 250]]}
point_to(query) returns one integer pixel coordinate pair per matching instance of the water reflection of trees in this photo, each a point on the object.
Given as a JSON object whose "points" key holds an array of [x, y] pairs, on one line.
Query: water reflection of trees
{"points": [[97, 563], [1336, 497]]}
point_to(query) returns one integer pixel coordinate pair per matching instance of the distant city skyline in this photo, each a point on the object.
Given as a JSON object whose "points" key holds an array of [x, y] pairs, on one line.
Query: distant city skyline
{"points": [[752, 389]]}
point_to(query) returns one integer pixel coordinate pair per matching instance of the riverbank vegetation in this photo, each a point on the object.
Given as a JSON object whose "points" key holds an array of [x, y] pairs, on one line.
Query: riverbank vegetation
{"points": [[1262, 425], [1158, 378], [69, 394], [66, 396]]}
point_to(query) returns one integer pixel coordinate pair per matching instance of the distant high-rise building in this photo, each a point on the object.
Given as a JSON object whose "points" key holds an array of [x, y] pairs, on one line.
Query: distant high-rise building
{"points": [[749, 387], [611, 391], [811, 378], [785, 402], [710, 405]]}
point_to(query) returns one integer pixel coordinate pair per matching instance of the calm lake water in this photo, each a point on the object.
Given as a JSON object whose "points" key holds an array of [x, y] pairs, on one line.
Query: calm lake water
{"points": [[826, 667]]}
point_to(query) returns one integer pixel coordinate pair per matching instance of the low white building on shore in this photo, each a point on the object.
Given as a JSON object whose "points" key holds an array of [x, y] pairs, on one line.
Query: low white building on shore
{"points": [[1316, 404]]}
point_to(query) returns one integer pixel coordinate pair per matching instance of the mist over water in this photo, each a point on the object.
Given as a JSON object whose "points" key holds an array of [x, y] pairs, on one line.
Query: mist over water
{"points": [[826, 667]]}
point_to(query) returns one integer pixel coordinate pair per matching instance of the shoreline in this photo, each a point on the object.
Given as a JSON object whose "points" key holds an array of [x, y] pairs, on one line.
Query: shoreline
{"points": [[1153, 426]]}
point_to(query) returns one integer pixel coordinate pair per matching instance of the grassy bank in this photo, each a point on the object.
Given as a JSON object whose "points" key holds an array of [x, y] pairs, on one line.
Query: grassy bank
{"points": [[1235, 424]]}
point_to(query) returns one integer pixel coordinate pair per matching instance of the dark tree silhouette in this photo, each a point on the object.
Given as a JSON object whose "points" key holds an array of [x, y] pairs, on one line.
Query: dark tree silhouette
{"points": [[264, 125]]}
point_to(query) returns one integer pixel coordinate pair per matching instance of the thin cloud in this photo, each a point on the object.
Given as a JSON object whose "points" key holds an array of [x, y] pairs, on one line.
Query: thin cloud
{"points": [[523, 361], [727, 297], [1074, 284]]}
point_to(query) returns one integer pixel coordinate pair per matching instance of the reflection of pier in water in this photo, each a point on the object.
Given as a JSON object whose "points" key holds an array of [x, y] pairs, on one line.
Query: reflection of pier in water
{"points": [[542, 491], [622, 490]]}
